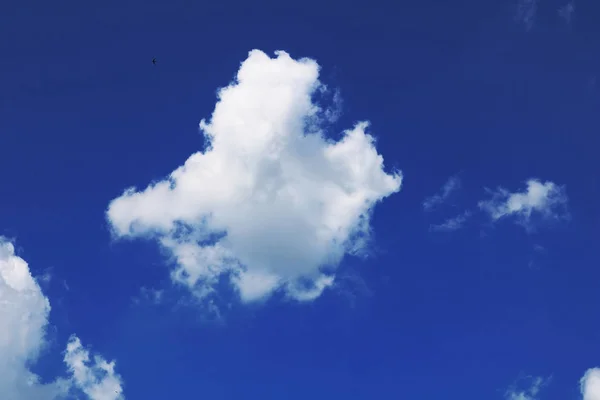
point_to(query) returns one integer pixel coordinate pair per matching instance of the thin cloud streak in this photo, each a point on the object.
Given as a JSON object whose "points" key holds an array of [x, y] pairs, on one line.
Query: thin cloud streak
{"points": [[451, 185]]}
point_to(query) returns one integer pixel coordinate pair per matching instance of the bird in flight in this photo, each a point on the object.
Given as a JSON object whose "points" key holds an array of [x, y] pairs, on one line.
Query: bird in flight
{"points": [[154, 61]]}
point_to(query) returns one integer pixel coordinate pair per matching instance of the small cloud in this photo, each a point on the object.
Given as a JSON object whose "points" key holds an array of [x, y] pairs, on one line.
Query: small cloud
{"points": [[97, 380], [566, 12], [333, 113], [590, 384], [526, 13], [545, 199], [44, 278], [154, 296], [526, 393], [451, 185], [451, 224]]}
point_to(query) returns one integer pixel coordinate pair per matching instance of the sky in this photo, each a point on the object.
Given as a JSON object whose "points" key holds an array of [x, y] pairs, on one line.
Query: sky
{"points": [[300, 200]]}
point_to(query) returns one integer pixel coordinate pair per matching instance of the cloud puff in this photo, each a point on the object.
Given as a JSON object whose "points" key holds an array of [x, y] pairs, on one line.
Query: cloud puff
{"points": [[590, 384], [529, 393], [451, 224], [24, 314], [271, 202], [546, 199], [450, 186], [97, 380]]}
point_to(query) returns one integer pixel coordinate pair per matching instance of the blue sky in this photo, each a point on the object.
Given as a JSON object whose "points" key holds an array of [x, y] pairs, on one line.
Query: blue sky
{"points": [[392, 201]]}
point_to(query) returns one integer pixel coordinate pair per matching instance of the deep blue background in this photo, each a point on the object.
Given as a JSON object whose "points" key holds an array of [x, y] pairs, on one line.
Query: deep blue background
{"points": [[450, 87]]}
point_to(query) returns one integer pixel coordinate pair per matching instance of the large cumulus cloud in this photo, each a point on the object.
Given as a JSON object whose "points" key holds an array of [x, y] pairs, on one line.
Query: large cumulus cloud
{"points": [[271, 202]]}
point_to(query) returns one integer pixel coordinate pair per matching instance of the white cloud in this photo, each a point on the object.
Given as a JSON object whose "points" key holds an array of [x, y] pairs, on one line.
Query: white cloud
{"points": [[23, 317], [529, 393], [590, 384], [546, 199], [271, 202], [24, 312], [450, 186], [97, 380], [451, 224]]}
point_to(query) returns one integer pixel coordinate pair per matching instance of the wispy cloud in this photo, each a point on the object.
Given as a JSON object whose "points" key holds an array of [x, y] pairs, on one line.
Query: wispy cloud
{"points": [[153, 296], [452, 184], [566, 12], [546, 199], [451, 224], [538, 254], [528, 393], [526, 13]]}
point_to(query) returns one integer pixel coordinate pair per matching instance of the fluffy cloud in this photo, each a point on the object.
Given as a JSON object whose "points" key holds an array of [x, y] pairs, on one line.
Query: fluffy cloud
{"points": [[24, 312], [271, 202], [546, 199], [97, 380], [450, 186], [590, 384]]}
